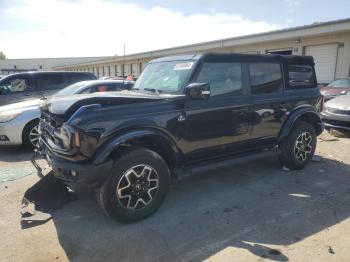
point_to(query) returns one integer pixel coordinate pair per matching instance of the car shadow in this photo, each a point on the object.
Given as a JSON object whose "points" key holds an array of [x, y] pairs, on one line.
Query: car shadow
{"points": [[250, 206]]}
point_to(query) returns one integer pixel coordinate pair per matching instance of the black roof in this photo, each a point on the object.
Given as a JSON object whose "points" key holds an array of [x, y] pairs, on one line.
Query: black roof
{"points": [[222, 57]]}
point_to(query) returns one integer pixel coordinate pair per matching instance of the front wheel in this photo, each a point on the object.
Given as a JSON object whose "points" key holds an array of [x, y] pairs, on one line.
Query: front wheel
{"points": [[31, 134], [299, 147], [137, 186]]}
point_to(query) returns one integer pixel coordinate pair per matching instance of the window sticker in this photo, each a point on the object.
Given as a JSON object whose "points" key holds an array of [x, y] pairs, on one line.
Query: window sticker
{"points": [[183, 66]]}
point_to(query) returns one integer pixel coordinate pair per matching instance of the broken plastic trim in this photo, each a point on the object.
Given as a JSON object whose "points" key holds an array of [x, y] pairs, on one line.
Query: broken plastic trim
{"points": [[43, 198]]}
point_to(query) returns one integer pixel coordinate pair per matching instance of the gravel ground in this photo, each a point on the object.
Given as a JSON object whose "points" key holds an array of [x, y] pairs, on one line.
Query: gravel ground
{"points": [[251, 211]]}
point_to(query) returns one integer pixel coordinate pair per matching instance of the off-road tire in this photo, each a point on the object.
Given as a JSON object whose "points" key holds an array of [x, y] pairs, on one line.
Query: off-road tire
{"points": [[288, 156], [107, 194]]}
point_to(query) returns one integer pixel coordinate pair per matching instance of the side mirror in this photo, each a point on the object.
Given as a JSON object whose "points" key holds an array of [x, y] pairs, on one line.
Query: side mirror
{"points": [[198, 91]]}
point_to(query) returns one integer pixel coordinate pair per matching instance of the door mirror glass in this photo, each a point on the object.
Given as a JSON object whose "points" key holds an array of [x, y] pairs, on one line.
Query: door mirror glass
{"points": [[198, 91]]}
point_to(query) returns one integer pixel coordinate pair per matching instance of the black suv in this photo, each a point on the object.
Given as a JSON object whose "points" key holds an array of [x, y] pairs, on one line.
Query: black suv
{"points": [[183, 112], [24, 86]]}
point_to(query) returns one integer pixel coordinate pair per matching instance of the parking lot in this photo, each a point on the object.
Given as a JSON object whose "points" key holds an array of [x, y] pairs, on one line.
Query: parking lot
{"points": [[254, 211]]}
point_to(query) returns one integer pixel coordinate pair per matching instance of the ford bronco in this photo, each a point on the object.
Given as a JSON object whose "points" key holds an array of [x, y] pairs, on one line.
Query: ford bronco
{"points": [[183, 112]]}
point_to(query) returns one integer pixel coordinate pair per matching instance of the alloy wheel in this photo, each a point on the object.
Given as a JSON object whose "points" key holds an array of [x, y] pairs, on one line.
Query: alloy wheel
{"points": [[137, 187], [34, 136], [303, 146]]}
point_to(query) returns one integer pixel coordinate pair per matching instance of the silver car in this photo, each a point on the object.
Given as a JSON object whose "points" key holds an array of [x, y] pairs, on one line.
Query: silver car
{"points": [[19, 121], [336, 113]]}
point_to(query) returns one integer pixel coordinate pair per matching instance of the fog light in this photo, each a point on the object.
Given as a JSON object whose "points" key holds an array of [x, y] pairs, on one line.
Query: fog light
{"points": [[73, 173]]}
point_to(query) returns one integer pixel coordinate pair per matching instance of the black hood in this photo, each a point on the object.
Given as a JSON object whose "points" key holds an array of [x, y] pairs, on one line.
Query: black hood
{"points": [[66, 105]]}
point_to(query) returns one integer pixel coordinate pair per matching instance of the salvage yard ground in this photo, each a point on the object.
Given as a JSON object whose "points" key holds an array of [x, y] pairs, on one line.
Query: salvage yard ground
{"points": [[252, 211]]}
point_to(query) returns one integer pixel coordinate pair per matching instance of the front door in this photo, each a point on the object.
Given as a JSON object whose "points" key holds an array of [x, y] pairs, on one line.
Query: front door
{"points": [[16, 88], [221, 124]]}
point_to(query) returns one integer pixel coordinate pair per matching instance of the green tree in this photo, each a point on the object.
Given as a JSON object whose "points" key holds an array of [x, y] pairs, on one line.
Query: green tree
{"points": [[2, 56]]}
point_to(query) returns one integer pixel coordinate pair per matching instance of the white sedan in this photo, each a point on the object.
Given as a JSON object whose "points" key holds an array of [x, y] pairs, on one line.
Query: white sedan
{"points": [[19, 121]]}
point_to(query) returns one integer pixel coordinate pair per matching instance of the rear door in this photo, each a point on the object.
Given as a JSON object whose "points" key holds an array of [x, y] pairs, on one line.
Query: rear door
{"points": [[268, 103], [220, 125], [16, 88], [49, 83]]}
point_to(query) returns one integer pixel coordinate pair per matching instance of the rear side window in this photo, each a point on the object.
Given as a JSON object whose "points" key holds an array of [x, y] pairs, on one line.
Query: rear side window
{"points": [[74, 78], [300, 76], [265, 78], [224, 78], [50, 81]]}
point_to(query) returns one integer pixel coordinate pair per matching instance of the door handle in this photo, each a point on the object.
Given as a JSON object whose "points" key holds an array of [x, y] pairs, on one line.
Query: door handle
{"points": [[181, 118], [283, 105], [26, 94]]}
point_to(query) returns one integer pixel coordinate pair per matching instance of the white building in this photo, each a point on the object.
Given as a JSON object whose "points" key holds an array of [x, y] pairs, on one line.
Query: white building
{"points": [[328, 43], [9, 66]]}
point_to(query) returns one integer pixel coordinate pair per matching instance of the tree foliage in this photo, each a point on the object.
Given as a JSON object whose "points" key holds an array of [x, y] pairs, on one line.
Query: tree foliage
{"points": [[2, 55]]}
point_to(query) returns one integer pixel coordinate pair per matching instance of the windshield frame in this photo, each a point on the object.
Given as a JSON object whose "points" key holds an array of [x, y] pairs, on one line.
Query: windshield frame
{"points": [[180, 91]]}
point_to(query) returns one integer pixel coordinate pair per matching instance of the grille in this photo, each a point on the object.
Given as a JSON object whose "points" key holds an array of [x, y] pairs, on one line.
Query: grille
{"points": [[48, 124]]}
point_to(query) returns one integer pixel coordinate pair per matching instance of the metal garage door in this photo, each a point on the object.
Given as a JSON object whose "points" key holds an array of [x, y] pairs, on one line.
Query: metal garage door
{"points": [[325, 57]]}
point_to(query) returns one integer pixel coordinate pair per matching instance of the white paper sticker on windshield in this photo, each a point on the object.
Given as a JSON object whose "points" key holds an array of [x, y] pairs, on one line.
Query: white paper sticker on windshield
{"points": [[183, 66]]}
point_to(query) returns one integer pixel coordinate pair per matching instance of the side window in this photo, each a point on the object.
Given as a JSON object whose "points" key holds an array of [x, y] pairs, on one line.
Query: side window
{"points": [[265, 78], [50, 81], [300, 76], [13, 85], [74, 78], [224, 78]]}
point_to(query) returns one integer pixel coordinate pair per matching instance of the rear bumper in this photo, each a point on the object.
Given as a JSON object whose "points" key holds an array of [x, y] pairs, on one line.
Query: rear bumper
{"points": [[81, 174]]}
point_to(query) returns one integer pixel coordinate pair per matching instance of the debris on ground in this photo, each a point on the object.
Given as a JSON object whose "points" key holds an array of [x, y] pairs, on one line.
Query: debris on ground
{"points": [[43, 198], [330, 250], [11, 174], [284, 168]]}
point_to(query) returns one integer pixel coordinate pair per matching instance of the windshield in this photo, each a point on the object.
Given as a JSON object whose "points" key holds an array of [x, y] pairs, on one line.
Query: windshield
{"points": [[72, 89], [341, 83], [165, 77]]}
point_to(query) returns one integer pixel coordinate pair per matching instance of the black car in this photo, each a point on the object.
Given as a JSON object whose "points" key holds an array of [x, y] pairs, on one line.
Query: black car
{"points": [[24, 86], [183, 112]]}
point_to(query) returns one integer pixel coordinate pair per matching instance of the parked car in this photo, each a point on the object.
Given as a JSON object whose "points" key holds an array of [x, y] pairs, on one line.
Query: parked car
{"points": [[183, 111], [336, 88], [28, 85], [19, 121], [336, 113]]}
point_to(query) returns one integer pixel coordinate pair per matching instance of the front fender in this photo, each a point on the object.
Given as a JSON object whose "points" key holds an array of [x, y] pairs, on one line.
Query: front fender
{"points": [[300, 113], [108, 147]]}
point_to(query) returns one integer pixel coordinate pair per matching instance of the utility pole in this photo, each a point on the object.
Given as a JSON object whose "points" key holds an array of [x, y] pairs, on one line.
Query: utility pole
{"points": [[124, 49]]}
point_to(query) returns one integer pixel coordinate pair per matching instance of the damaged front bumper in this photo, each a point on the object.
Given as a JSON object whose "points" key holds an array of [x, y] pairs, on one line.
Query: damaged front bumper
{"points": [[81, 174], [50, 192]]}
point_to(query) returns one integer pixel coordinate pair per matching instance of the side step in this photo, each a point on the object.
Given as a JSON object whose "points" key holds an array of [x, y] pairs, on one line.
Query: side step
{"points": [[182, 173]]}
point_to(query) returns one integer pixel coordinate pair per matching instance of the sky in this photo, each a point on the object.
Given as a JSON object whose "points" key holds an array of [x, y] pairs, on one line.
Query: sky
{"points": [[73, 28]]}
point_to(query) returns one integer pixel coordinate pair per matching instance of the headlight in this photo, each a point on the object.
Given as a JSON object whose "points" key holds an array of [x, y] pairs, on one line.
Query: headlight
{"points": [[7, 116]]}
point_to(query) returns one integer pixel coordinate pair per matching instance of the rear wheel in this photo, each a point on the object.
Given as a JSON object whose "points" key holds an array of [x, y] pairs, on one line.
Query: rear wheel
{"points": [[137, 186], [299, 147], [31, 134]]}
